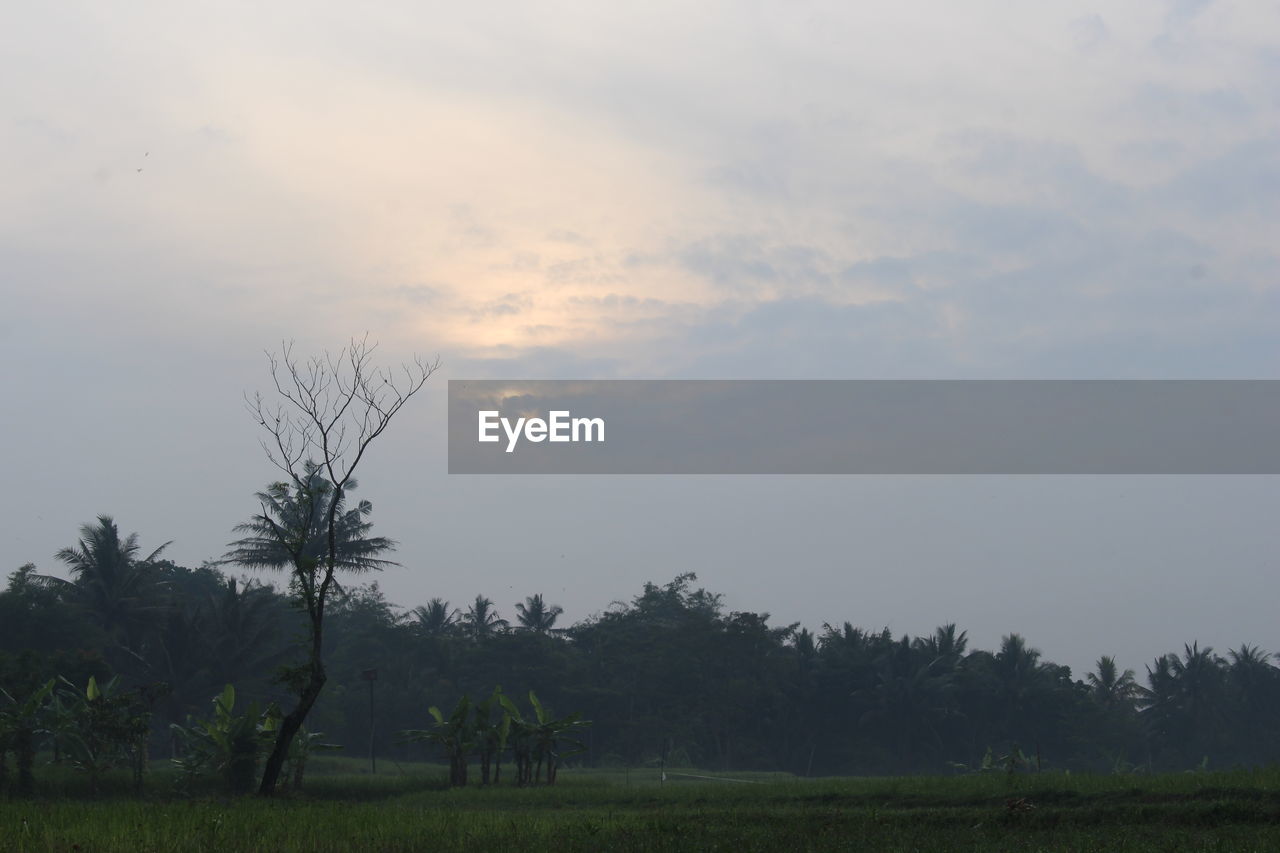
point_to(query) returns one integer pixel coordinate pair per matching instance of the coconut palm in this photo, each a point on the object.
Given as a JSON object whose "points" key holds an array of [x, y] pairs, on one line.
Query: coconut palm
{"points": [[534, 615], [1159, 699], [1254, 691], [908, 699], [1018, 667], [291, 531], [945, 645], [1111, 688], [481, 619], [1252, 676], [243, 627], [1022, 685], [434, 619], [120, 592], [306, 528], [1200, 675], [1184, 703]]}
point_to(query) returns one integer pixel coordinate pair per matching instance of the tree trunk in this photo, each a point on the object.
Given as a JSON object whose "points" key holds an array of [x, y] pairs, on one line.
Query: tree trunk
{"points": [[299, 767], [290, 725], [316, 677]]}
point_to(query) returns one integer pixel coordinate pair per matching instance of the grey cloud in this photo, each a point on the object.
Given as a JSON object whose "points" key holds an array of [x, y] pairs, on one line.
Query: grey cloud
{"points": [[1089, 33], [1160, 102], [1025, 229], [1245, 181], [537, 363], [735, 262], [914, 271], [813, 338], [1180, 12], [614, 301], [1051, 175]]}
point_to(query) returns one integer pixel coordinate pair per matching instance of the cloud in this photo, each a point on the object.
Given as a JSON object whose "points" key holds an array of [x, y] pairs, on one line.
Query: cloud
{"points": [[1241, 183], [418, 294], [1089, 33]]}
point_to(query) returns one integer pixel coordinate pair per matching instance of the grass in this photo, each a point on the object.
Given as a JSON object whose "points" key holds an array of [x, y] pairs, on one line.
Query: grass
{"points": [[407, 807]]}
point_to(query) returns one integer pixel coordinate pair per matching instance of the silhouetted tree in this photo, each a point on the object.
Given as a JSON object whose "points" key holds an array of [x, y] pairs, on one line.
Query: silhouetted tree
{"points": [[535, 615], [330, 410], [435, 619], [118, 591], [481, 619]]}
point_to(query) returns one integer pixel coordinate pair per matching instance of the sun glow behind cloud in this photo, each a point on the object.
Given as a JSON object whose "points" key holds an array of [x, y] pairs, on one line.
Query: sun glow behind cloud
{"points": [[590, 183]]}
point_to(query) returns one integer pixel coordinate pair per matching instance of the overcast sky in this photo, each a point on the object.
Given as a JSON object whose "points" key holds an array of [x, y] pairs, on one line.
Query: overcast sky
{"points": [[652, 190]]}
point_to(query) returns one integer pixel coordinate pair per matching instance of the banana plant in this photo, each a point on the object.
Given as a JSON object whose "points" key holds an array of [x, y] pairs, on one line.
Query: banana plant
{"points": [[1014, 761], [552, 741], [504, 734], [543, 741], [21, 721], [491, 735], [454, 734], [228, 743], [101, 727], [520, 735], [304, 744]]}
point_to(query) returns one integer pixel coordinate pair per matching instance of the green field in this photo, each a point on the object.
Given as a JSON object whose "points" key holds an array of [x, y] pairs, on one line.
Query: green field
{"points": [[408, 808]]}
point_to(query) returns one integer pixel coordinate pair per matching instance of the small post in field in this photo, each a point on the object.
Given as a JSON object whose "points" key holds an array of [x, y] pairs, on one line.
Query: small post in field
{"points": [[371, 675]]}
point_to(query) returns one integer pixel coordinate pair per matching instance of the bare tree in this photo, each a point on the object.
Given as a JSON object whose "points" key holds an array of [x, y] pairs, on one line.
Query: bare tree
{"points": [[328, 410]]}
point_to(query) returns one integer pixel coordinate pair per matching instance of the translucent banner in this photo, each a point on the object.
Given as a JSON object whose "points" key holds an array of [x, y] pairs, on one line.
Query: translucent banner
{"points": [[864, 427]]}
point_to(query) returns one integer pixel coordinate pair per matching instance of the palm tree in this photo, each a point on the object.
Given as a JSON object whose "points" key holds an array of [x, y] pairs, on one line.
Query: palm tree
{"points": [[1022, 680], [307, 529], [908, 699], [946, 645], [1159, 699], [481, 620], [1018, 666], [1252, 676], [292, 530], [1254, 685], [534, 615], [1200, 677], [435, 619], [242, 627], [1185, 702], [1111, 688], [119, 591]]}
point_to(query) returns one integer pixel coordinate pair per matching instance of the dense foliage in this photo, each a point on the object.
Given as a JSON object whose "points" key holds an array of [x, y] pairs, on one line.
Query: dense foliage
{"points": [[668, 675]]}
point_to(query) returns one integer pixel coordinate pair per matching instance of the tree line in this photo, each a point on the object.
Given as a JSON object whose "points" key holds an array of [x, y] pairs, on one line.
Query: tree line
{"points": [[667, 676]]}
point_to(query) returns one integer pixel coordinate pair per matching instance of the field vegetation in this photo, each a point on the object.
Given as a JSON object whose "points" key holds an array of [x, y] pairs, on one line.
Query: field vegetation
{"points": [[410, 806]]}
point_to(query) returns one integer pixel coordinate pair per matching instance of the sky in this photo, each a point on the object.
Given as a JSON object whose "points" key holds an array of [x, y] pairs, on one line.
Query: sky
{"points": [[571, 190]]}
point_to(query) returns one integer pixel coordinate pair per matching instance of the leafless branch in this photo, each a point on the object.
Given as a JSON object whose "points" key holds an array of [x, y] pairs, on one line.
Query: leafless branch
{"points": [[332, 407]]}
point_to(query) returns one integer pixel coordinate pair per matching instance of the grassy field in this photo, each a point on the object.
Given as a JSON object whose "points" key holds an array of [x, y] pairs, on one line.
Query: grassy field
{"points": [[406, 807]]}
